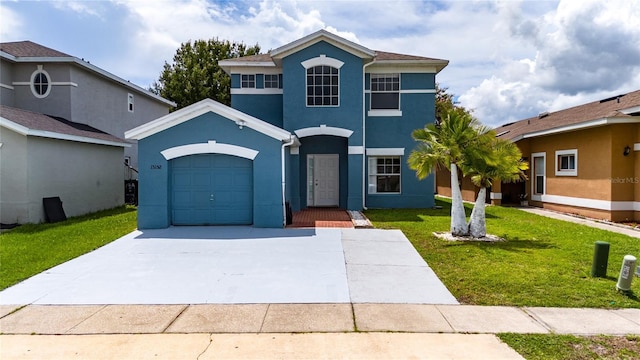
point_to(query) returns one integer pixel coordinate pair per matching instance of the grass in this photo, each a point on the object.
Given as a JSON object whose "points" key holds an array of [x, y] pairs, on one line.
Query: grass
{"points": [[543, 262], [32, 248], [569, 347]]}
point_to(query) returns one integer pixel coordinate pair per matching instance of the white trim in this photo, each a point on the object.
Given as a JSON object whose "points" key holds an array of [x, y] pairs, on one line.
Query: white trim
{"points": [[210, 147], [592, 203], [294, 150], [53, 83], [385, 151], [534, 195], [381, 112], [6, 86], [414, 66], [203, 107], [355, 150], [580, 126], [571, 172], [32, 85], [322, 35], [322, 60], [23, 130], [630, 110], [246, 65], [256, 91], [323, 130], [495, 196], [636, 147], [418, 91]]}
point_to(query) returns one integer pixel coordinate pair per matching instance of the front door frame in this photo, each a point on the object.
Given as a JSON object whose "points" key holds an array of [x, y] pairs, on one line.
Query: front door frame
{"points": [[319, 181]]}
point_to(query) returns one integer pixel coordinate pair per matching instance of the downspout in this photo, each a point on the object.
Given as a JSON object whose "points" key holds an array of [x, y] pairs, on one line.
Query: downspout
{"points": [[365, 183], [284, 205]]}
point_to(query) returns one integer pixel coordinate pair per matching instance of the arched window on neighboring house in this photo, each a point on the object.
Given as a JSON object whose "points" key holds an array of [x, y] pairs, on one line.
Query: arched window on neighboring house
{"points": [[40, 83]]}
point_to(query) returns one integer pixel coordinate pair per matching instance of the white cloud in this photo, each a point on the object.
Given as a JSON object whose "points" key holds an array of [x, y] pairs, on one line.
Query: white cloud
{"points": [[11, 27], [79, 7], [583, 51]]}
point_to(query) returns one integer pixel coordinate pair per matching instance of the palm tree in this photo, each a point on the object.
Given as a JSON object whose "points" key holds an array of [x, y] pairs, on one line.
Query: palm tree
{"points": [[447, 145], [503, 163]]}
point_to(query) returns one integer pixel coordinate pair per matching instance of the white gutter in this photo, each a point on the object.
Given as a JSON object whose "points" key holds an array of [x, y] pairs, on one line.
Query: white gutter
{"points": [[364, 135], [292, 140]]}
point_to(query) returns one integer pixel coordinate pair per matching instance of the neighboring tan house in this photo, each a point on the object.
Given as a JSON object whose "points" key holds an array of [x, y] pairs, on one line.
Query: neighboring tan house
{"points": [[62, 121], [321, 121], [582, 160]]}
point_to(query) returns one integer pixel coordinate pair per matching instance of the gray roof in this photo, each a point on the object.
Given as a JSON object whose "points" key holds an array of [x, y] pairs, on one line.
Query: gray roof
{"points": [[39, 125]]}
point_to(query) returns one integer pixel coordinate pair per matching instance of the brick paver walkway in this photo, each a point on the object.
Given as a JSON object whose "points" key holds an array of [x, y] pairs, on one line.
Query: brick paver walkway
{"points": [[322, 217]]}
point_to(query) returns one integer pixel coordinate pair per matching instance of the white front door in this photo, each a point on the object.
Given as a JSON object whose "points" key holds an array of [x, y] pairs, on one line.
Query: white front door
{"points": [[323, 180]]}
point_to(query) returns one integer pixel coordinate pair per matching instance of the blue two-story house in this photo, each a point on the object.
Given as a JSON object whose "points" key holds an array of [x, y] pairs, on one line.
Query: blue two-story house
{"points": [[319, 122]]}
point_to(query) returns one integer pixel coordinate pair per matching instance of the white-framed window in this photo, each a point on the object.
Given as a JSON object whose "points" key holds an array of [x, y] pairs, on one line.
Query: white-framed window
{"points": [[384, 174], [567, 162], [385, 91], [539, 175], [323, 83], [248, 81], [40, 83], [271, 81], [130, 102]]}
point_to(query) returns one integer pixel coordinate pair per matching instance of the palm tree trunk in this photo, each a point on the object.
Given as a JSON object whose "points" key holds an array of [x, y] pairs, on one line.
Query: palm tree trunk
{"points": [[458, 218], [478, 221]]}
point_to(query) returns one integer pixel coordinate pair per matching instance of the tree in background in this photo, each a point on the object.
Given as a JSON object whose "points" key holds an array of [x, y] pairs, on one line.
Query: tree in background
{"points": [[195, 75]]}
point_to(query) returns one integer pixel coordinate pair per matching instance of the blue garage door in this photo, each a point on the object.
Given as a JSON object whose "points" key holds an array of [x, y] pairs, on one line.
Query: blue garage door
{"points": [[211, 189]]}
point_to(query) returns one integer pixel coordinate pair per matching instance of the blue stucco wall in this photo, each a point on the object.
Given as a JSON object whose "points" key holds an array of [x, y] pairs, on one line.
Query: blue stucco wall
{"points": [[267, 107], [154, 209], [347, 115], [418, 109]]}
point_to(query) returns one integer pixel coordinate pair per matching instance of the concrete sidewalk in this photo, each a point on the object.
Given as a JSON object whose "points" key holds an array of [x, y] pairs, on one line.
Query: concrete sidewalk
{"points": [[289, 331]]}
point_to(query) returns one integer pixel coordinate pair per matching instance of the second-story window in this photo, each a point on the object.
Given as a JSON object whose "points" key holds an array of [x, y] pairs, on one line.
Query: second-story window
{"points": [[130, 102], [271, 81], [385, 91], [40, 83], [322, 86], [248, 81]]}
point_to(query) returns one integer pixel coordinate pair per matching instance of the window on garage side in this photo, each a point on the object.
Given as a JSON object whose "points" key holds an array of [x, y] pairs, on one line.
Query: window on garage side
{"points": [[385, 91], [271, 81], [248, 81], [322, 86], [567, 162], [539, 164], [384, 174]]}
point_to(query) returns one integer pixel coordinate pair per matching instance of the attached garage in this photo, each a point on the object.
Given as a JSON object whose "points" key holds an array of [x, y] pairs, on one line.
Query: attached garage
{"points": [[209, 164], [211, 189]]}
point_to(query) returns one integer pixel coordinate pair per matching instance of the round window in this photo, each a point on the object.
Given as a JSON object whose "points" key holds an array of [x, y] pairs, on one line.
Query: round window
{"points": [[40, 83]]}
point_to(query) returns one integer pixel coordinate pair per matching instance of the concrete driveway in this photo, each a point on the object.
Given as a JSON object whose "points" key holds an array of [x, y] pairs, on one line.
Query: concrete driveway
{"points": [[240, 265]]}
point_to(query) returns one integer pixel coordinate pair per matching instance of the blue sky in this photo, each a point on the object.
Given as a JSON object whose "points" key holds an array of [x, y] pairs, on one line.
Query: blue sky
{"points": [[508, 59]]}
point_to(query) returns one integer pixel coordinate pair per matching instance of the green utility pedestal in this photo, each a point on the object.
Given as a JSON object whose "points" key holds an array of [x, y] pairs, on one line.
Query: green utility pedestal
{"points": [[600, 259]]}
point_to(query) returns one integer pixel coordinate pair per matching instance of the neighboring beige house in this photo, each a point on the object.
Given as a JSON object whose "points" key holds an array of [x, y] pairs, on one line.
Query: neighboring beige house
{"points": [[582, 160]]}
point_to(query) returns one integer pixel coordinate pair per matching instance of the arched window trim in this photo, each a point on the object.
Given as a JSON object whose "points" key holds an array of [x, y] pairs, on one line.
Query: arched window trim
{"points": [[32, 83]]}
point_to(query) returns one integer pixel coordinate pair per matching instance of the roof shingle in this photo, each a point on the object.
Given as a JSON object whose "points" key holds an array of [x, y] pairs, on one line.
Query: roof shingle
{"points": [[30, 49], [41, 122], [606, 108]]}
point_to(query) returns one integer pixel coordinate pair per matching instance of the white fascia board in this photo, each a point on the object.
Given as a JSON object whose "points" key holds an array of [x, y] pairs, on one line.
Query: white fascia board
{"points": [[25, 131], [93, 68], [400, 66], [337, 41], [582, 125], [203, 107], [255, 70], [630, 110]]}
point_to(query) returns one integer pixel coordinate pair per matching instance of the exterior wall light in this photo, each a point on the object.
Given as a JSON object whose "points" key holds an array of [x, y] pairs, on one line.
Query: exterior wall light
{"points": [[627, 150]]}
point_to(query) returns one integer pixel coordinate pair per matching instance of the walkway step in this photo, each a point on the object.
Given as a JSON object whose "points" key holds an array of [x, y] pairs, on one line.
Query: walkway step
{"points": [[360, 221]]}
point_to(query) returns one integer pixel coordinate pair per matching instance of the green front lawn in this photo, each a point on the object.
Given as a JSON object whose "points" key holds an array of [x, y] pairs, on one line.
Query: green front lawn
{"points": [[569, 347], [544, 262], [30, 249]]}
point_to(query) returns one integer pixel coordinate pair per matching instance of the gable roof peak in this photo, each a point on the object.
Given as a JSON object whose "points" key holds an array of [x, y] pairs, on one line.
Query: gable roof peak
{"points": [[318, 36]]}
